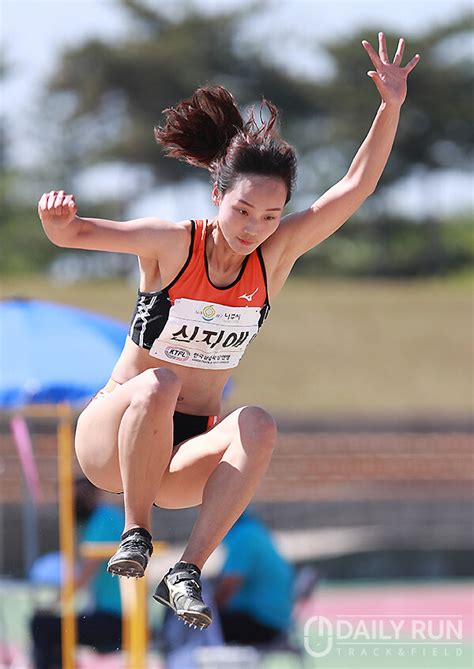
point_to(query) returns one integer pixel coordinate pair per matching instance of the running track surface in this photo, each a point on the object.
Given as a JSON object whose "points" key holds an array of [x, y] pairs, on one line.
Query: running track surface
{"points": [[434, 599]]}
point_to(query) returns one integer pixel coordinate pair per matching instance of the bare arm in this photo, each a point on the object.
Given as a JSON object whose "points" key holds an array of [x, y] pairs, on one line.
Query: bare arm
{"points": [[87, 571], [89, 568], [226, 587], [301, 231], [62, 225]]}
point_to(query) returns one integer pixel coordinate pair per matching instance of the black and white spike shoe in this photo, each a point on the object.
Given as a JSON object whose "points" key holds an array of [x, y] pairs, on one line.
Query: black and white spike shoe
{"points": [[181, 589], [133, 553]]}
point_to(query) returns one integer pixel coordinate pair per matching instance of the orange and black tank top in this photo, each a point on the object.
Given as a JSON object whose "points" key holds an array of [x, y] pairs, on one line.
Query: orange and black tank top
{"points": [[194, 323]]}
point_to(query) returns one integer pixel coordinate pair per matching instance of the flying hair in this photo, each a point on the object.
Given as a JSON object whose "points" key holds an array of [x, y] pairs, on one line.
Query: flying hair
{"points": [[207, 130], [200, 128]]}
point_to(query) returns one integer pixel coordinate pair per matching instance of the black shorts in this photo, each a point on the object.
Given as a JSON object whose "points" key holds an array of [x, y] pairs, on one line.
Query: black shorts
{"points": [[186, 426]]}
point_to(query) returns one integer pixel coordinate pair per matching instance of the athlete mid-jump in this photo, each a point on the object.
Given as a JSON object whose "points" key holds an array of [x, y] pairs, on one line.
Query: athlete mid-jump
{"points": [[153, 432]]}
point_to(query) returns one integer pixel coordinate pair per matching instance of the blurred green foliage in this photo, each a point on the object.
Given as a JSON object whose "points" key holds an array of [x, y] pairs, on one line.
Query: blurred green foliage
{"points": [[119, 91], [394, 247], [104, 98]]}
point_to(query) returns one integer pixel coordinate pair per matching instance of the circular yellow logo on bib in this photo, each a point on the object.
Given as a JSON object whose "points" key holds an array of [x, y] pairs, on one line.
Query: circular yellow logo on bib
{"points": [[208, 312]]}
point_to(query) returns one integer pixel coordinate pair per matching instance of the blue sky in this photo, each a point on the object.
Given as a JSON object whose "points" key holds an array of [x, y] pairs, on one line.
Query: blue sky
{"points": [[34, 32]]}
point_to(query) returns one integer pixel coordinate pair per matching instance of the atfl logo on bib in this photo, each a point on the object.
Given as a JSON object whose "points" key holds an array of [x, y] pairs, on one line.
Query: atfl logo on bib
{"points": [[209, 336]]}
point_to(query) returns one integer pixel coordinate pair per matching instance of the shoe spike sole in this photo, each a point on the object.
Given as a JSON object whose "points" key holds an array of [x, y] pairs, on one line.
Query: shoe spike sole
{"points": [[130, 571], [196, 621]]}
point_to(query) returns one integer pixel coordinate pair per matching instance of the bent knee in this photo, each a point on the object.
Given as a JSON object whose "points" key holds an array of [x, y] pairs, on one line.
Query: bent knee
{"points": [[157, 385], [163, 379], [257, 424]]}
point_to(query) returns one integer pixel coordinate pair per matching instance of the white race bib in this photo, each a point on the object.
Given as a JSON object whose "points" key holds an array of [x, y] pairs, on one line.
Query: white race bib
{"points": [[209, 336]]}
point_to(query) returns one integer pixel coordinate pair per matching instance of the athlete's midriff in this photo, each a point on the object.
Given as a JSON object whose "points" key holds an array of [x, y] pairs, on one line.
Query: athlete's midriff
{"points": [[201, 389]]}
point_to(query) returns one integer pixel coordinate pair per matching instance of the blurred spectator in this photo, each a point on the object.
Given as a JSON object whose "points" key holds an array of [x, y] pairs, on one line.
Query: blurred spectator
{"points": [[254, 593], [179, 643], [100, 626]]}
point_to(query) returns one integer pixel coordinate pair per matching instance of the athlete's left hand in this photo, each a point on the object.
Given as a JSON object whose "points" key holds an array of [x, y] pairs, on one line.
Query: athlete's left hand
{"points": [[390, 78]]}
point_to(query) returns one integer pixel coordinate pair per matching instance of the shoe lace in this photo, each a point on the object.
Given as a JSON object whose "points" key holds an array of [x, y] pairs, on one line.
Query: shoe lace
{"points": [[191, 585], [138, 543], [192, 588]]}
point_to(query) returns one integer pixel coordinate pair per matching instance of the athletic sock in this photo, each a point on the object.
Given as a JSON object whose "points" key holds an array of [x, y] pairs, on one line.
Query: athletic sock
{"points": [[179, 566], [137, 530]]}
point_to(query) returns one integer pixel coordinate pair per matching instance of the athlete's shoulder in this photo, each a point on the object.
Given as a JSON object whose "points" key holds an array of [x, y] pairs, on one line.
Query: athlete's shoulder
{"points": [[164, 224], [188, 225], [174, 231], [167, 238]]}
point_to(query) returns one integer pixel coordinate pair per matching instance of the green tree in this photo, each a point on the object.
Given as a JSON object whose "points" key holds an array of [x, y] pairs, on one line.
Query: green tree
{"points": [[104, 99], [117, 92], [436, 126]]}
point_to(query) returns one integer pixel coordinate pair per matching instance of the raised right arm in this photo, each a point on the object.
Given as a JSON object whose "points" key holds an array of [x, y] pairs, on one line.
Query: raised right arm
{"points": [[142, 236]]}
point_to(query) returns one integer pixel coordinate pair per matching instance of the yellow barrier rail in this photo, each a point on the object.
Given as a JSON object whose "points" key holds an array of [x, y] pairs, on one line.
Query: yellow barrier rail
{"points": [[132, 591], [66, 535]]}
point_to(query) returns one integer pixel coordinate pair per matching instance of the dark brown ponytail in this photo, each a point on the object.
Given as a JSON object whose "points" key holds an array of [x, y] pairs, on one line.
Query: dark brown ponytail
{"points": [[207, 130], [199, 129]]}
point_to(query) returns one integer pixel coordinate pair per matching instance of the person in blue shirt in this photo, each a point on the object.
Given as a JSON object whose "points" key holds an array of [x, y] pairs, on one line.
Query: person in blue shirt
{"points": [[254, 593], [101, 625]]}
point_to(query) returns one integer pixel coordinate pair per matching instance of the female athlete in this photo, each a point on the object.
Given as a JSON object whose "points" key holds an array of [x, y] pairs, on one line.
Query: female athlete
{"points": [[153, 431]]}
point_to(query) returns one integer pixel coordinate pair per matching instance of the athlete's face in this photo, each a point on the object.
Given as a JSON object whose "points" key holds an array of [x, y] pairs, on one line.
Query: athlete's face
{"points": [[250, 211]]}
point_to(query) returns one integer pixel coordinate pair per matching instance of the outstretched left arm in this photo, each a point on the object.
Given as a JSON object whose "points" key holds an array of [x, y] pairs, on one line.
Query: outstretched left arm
{"points": [[303, 230]]}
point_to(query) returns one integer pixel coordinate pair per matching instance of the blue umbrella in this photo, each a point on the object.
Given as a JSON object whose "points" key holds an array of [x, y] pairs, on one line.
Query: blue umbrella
{"points": [[53, 353]]}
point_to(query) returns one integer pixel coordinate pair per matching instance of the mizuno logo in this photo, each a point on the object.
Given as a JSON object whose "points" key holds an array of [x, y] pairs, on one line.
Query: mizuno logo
{"points": [[248, 297]]}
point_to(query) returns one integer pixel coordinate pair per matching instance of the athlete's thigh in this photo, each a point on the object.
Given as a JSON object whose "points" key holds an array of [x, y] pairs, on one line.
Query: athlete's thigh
{"points": [[97, 431], [193, 462]]}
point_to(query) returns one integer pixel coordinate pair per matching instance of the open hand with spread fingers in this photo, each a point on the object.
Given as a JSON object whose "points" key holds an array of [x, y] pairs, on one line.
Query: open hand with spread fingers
{"points": [[390, 77]]}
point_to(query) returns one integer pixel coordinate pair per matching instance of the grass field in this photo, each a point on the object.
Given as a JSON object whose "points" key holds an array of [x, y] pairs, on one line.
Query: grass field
{"points": [[354, 347]]}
